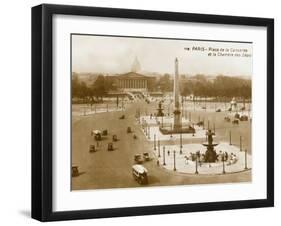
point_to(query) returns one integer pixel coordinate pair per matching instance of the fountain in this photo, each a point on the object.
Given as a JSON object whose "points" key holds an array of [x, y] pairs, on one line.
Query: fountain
{"points": [[160, 110], [210, 154]]}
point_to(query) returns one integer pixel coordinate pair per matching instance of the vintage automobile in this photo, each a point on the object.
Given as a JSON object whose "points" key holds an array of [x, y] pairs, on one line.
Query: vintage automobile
{"points": [[129, 130], [218, 110], [138, 158], [244, 118], [92, 148], [200, 123], [235, 122], [114, 138], [237, 116], [96, 134], [74, 171], [104, 132], [227, 119], [140, 174], [146, 156], [122, 117], [110, 147]]}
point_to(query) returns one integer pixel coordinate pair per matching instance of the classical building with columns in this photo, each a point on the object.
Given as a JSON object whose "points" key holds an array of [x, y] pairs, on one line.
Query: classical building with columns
{"points": [[132, 81]]}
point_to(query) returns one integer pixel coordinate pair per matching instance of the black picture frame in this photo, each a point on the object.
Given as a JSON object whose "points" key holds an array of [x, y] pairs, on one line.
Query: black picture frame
{"points": [[42, 111]]}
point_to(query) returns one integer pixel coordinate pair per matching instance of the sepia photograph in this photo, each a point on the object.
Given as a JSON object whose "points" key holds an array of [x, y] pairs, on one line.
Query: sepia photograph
{"points": [[156, 111]]}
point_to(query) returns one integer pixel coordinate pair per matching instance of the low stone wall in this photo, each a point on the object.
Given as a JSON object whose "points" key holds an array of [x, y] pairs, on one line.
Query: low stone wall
{"points": [[177, 131]]}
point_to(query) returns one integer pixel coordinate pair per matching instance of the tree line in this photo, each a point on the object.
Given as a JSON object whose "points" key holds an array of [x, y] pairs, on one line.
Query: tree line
{"points": [[220, 87], [95, 91], [198, 86]]}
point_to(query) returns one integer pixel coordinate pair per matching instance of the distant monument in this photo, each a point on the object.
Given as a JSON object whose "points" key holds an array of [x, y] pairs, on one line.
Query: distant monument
{"points": [[178, 127], [136, 66], [233, 104], [177, 110]]}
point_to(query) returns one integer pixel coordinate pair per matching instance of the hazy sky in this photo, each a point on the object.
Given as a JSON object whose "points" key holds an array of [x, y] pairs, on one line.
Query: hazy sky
{"points": [[116, 55]]}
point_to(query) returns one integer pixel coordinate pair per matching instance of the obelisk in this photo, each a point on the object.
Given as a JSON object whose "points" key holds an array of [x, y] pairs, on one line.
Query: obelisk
{"points": [[177, 110]]}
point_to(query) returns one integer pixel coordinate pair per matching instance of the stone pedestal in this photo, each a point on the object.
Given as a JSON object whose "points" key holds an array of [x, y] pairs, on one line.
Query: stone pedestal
{"points": [[177, 120]]}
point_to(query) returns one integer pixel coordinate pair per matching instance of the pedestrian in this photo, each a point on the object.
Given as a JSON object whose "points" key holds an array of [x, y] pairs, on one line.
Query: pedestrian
{"points": [[225, 156], [168, 152], [157, 162], [186, 160]]}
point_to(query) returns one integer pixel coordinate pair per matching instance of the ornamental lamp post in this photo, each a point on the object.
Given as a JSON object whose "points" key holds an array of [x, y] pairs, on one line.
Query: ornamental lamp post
{"points": [[159, 148], [154, 142], [223, 165], [164, 163], [246, 167], [196, 164], [175, 160], [180, 139], [240, 143]]}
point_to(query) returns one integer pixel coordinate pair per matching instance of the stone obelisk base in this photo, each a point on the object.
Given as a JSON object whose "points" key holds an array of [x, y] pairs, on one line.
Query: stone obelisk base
{"points": [[177, 120]]}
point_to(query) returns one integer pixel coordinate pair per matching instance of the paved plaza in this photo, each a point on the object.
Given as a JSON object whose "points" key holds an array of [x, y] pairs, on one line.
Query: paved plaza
{"points": [[113, 169]]}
